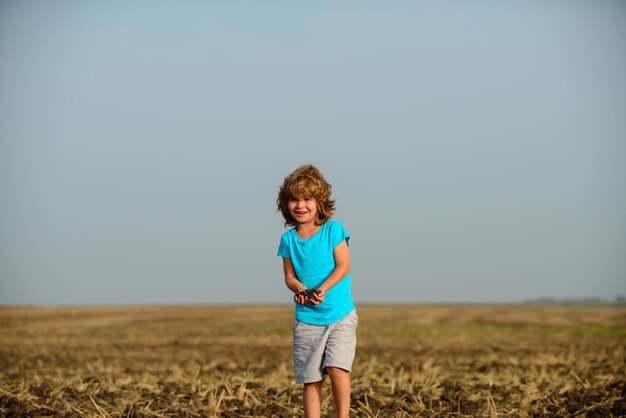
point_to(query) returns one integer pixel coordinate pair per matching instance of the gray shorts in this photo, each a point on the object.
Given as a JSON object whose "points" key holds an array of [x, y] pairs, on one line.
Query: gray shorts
{"points": [[316, 347]]}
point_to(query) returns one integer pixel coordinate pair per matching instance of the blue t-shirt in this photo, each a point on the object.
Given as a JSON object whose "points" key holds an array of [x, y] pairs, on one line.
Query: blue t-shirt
{"points": [[313, 262]]}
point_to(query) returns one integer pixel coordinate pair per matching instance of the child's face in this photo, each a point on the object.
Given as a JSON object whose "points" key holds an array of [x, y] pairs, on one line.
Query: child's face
{"points": [[303, 210]]}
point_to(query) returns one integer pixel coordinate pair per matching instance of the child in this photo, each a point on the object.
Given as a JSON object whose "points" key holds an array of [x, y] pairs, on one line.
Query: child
{"points": [[316, 263]]}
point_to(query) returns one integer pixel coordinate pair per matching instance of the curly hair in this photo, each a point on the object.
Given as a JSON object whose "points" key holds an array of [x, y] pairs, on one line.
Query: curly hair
{"points": [[306, 182]]}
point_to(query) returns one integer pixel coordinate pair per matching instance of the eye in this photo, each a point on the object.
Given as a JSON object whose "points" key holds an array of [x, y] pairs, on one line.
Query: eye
{"points": [[308, 199]]}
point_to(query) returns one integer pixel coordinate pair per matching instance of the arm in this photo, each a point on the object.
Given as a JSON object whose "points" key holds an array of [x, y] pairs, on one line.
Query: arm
{"points": [[341, 253], [291, 280]]}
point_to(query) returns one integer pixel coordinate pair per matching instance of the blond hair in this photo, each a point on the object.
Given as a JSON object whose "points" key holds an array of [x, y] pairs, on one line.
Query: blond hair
{"points": [[306, 182]]}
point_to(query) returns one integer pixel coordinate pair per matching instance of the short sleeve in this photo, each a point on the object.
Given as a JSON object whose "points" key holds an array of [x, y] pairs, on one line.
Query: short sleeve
{"points": [[338, 234], [283, 247]]}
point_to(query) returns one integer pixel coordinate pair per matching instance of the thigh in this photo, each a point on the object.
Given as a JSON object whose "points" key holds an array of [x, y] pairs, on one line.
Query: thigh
{"points": [[308, 351], [341, 344]]}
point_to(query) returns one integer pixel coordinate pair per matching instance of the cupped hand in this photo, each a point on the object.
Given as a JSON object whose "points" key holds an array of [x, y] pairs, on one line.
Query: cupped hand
{"points": [[318, 297], [301, 299]]}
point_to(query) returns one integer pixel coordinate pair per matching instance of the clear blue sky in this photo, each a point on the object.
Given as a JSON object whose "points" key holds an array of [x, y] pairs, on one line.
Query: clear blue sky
{"points": [[476, 150]]}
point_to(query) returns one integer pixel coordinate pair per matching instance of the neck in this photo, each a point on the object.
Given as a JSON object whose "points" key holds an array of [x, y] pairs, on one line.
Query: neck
{"points": [[307, 230]]}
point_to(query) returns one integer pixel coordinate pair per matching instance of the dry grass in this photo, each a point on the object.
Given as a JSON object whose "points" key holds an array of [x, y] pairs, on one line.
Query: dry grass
{"points": [[236, 361]]}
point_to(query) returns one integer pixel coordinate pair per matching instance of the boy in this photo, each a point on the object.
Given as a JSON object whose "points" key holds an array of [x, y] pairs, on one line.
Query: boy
{"points": [[316, 264]]}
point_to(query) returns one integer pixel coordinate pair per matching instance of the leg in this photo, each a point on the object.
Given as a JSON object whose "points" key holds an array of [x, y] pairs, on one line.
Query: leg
{"points": [[340, 381], [312, 399], [308, 353], [340, 350]]}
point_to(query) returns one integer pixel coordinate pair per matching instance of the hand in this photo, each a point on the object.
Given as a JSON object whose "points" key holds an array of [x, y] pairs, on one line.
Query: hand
{"points": [[318, 297], [308, 296], [301, 299]]}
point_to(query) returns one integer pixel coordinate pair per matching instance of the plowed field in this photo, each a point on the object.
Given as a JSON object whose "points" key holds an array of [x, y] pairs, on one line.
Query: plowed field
{"points": [[429, 361]]}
